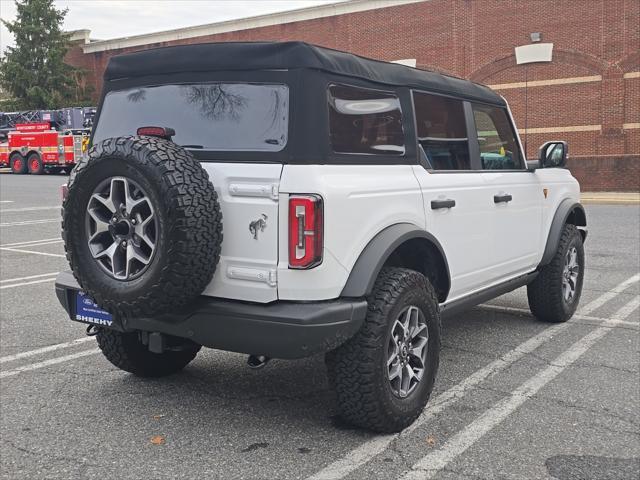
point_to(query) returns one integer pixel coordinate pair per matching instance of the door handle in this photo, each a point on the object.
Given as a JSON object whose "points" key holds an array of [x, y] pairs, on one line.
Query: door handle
{"points": [[504, 198], [438, 204]]}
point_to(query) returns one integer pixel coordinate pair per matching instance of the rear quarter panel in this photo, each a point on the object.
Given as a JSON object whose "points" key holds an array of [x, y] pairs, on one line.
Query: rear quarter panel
{"points": [[359, 202]]}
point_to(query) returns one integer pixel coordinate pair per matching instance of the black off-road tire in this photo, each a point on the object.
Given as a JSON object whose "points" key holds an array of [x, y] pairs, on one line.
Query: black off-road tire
{"points": [[35, 164], [128, 353], [546, 300], [358, 369], [18, 164], [189, 233]]}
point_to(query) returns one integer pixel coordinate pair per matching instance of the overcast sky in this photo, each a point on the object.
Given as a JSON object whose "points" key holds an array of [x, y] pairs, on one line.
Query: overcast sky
{"points": [[120, 18]]}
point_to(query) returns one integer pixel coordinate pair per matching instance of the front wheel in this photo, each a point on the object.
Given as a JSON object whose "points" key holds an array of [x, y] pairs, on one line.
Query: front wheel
{"points": [[127, 352], [555, 293], [384, 375]]}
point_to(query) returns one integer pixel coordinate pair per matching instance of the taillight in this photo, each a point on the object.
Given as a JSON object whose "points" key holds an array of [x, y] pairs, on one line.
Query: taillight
{"points": [[305, 231]]}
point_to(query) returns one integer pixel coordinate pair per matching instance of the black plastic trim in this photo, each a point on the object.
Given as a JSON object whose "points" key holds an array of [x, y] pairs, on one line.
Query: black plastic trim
{"points": [[502, 198], [566, 207], [281, 329], [366, 269], [438, 204], [450, 309]]}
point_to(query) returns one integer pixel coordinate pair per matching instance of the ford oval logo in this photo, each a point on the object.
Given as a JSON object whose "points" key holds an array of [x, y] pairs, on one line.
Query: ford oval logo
{"points": [[87, 301]]}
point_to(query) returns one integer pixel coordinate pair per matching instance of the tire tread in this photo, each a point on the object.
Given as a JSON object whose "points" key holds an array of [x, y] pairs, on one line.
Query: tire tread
{"points": [[195, 234], [353, 367]]}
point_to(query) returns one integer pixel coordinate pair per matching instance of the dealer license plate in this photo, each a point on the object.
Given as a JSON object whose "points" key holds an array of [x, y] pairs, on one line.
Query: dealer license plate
{"points": [[88, 312]]}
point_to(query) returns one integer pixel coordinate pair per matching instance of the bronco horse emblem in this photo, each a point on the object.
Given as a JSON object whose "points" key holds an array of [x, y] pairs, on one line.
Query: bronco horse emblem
{"points": [[258, 226]]}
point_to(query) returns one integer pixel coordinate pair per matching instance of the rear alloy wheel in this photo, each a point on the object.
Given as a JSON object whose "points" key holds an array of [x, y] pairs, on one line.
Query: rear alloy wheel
{"points": [[18, 164], [35, 165], [407, 351], [384, 375]]}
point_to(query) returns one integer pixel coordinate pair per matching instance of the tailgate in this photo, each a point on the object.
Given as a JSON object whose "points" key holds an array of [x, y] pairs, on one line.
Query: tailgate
{"points": [[248, 196]]}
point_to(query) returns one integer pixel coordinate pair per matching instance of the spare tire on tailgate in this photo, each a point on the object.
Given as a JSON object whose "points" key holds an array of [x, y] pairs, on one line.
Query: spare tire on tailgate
{"points": [[142, 226]]}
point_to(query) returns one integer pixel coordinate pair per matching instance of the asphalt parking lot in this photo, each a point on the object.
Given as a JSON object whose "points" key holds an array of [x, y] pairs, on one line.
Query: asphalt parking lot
{"points": [[514, 398]]}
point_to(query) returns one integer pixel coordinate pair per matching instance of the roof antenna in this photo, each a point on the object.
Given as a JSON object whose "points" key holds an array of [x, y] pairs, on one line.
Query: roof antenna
{"points": [[526, 110]]}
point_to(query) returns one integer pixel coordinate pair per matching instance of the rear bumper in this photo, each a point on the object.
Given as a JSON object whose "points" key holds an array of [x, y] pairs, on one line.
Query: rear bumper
{"points": [[278, 329]]}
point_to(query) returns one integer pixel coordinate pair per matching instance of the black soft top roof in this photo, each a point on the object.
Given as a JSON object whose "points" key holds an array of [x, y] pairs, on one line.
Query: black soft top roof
{"points": [[243, 56]]}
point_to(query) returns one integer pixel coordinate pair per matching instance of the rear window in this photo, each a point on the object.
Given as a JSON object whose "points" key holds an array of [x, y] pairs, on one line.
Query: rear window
{"points": [[212, 116], [365, 121]]}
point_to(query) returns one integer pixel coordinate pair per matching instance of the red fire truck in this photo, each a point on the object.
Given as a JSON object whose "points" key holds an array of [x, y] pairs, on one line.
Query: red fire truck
{"points": [[36, 148]]}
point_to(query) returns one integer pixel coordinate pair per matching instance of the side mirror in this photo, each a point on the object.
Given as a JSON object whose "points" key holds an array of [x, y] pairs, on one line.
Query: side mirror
{"points": [[553, 154]]}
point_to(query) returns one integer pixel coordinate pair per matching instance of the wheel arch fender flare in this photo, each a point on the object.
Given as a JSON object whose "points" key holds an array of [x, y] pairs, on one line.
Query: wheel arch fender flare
{"points": [[374, 256], [569, 211]]}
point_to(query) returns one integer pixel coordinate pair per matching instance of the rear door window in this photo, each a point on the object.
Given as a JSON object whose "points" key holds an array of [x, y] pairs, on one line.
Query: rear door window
{"points": [[442, 131], [212, 116], [499, 148], [365, 121]]}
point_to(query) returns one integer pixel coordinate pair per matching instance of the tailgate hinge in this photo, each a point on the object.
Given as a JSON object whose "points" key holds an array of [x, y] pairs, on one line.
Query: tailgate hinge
{"points": [[254, 190]]}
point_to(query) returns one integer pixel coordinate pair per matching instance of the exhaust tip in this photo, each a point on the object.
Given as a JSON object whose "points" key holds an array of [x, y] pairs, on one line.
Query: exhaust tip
{"points": [[255, 362]]}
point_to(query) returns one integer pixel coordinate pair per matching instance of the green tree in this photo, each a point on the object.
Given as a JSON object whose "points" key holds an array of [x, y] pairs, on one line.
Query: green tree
{"points": [[33, 72]]}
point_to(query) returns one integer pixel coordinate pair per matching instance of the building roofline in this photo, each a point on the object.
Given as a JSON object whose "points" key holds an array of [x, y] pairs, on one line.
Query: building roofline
{"points": [[298, 15]]}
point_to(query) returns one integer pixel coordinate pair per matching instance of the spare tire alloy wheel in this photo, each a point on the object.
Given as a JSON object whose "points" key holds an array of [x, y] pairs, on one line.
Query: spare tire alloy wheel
{"points": [[142, 226], [121, 228]]}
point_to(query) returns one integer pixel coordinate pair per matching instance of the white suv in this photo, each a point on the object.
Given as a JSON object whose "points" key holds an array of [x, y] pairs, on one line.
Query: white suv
{"points": [[360, 202]]}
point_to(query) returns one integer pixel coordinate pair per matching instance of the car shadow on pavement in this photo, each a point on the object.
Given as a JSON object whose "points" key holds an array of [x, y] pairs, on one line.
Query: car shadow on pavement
{"points": [[218, 390]]}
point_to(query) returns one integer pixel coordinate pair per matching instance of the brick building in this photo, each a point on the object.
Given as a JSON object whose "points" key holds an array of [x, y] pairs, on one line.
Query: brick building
{"points": [[589, 94]]}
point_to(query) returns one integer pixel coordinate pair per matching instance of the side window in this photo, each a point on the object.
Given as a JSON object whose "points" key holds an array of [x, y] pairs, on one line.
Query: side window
{"points": [[365, 121], [442, 131], [498, 145]]}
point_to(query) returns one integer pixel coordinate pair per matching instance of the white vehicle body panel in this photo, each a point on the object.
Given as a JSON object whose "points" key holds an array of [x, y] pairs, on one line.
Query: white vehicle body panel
{"points": [[515, 225], [359, 202], [485, 243], [462, 230], [247, 192], [560, 185]]}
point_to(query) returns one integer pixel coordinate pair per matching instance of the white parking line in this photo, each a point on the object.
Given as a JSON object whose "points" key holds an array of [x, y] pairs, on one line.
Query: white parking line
{"points": [[373, 447], [602, 299], [431, 464], [20, 279], [28, 209], [14, 285], [44, 241], [46, 254], [526, 312], [30, 222], [49, 348], [46, 363], [6, 201], [626, 311]]}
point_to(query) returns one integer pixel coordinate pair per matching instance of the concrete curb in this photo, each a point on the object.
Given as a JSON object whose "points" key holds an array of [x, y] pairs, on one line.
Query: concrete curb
{"points": [[610, 198]]}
